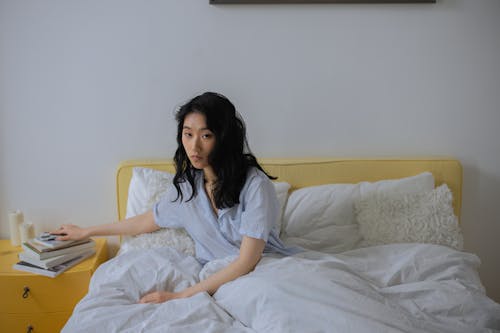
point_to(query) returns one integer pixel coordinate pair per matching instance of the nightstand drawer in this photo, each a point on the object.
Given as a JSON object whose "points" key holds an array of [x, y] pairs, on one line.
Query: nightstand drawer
{"points": [[39, 322], [45, 294]]}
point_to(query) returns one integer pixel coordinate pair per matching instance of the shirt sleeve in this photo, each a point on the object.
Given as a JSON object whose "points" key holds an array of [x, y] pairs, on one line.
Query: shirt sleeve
{"points": [[167, 212], [261, 209]]}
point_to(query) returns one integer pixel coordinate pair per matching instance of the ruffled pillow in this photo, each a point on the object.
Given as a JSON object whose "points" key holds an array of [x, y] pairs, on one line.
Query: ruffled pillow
{"points": [[425, 217], [174, 238]]}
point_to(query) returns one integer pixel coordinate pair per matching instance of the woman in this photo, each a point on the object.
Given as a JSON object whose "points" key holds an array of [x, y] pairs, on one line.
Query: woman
{"points": [[221, 196]]}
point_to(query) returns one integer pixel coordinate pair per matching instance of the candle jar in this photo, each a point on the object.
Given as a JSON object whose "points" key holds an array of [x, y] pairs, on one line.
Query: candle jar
{"points": [[26, 231]]}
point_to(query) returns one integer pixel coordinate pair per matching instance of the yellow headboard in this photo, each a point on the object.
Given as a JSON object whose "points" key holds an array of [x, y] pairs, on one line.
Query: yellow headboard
{"points": [[315, 171]]}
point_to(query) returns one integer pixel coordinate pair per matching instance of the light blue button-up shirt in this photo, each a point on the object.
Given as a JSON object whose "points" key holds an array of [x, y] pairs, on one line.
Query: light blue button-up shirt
{"points": [[219, 235]]}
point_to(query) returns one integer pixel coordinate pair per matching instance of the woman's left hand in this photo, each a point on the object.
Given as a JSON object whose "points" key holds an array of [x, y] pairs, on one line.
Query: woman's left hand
{"points": [[158, 297]]}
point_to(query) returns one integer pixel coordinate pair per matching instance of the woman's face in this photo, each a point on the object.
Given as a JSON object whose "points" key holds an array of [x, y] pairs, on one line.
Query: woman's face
{"points": [[198, 141]]}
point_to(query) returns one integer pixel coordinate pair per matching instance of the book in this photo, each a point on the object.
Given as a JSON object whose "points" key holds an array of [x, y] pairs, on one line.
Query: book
{"points": [[44, 248], [39, 252], [52, 243], [53, 271], [49, 262]]}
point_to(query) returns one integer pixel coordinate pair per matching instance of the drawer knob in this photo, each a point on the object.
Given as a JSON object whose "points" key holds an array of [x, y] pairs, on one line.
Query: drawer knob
{"points": [[29, 329], [26, 294]]}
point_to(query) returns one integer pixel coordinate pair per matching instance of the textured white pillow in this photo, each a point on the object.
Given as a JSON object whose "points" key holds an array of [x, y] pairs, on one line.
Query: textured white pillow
{"points": [[321, 218], [174, 238], [145, 189], [413, 218]]}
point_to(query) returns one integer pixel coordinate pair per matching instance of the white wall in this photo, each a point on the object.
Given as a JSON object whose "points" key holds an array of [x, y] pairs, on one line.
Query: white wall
{"points": [[86, 84]]}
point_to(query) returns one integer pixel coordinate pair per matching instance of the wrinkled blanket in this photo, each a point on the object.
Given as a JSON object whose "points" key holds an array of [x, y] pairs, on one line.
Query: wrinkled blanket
{"points": [[389, 288]]}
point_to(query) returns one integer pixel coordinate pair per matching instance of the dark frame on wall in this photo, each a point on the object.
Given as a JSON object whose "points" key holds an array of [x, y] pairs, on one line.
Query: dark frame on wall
{"points": [[215, 2]]}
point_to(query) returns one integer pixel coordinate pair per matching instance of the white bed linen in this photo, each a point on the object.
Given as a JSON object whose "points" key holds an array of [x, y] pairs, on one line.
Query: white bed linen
{"points": [[387, 288], [111, 305]]}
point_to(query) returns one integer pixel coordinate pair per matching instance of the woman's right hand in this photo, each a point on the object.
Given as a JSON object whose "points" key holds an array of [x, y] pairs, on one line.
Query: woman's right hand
{"points": [[132, 226], [70, 232]]}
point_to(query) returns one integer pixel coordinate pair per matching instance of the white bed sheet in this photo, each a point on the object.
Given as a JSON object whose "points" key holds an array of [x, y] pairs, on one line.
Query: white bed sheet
{"points": [[111, 305], [389, 288]]}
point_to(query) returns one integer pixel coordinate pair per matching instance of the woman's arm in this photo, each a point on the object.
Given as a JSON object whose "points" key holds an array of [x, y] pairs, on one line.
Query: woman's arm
{"points": [[132, 226], [250, 253]]}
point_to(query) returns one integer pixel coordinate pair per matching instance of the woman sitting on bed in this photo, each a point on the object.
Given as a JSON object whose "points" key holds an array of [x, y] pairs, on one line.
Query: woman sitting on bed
{"points": [[221, 196]]}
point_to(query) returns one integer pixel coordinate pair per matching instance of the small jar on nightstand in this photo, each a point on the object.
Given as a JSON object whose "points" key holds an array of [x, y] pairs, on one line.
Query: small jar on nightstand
{"points": [[36, 303]]}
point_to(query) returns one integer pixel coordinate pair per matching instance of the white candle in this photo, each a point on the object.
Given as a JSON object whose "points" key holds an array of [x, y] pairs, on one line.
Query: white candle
{"points": [[15, 220], [26, 231]]}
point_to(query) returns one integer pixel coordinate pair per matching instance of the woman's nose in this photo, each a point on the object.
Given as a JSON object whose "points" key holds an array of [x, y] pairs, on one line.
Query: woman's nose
{"points": [[196, 144]]}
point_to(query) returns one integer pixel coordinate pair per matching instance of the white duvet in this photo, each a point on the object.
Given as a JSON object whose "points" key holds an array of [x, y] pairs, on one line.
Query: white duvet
{"points": [[389, 288]]}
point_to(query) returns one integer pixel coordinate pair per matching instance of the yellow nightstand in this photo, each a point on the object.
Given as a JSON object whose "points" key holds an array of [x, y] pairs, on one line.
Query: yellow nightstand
{"points": [[40, 302]]}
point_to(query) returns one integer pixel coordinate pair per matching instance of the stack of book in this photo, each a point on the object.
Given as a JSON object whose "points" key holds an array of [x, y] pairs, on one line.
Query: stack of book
{"points": [[51, 257]]}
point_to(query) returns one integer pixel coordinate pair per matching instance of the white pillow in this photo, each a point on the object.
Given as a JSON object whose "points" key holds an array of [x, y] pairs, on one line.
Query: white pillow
{"points": [[145, 189], [321, 218], [174, 238], [426, 217], [282, 193]]}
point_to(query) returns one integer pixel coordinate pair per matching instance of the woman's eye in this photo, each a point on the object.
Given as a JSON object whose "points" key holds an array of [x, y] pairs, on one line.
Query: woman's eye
{"points": [[187, 134], [207, 136]]}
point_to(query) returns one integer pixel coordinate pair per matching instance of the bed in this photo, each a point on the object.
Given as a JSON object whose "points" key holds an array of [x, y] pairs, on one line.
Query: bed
{"points": [[383, 253]]}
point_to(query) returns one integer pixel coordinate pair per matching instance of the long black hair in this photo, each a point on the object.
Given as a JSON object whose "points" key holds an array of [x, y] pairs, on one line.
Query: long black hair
{"points": [[231, 157]]}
